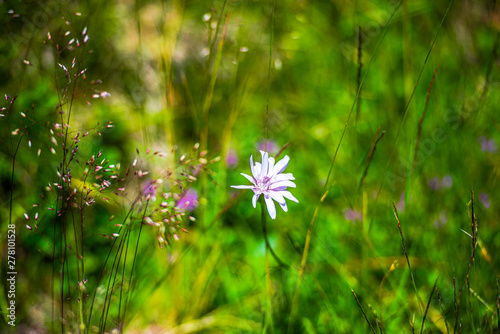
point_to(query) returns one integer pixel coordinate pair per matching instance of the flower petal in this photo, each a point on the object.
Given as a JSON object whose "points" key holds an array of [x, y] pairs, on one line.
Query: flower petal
{"points": [[284, 207], [280, 184], [287, 194], [265, 164], [283, 177], [243, 187], [252, 167], [270, 206], [277, 196], [281, 165], [257, 169], [271, 166], [254, 200], [248, 177]]}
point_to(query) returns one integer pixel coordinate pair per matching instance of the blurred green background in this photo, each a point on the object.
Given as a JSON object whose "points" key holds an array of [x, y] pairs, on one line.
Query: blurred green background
{"points": [[186, 72]]}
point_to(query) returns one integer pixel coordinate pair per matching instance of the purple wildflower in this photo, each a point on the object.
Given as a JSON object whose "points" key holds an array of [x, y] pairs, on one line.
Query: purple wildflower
{"points": [[189, 201], [197, 169], [232, 158], [150, 189], [268, 179], [434, 183], [272, 146], [441, 220], [352, 215], [401, 204], [488, 145], [485, 199], [446, 182]]}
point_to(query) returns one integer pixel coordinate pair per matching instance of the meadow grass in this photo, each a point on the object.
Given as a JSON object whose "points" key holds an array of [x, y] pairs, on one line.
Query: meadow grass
{"points": [[124, 125]]}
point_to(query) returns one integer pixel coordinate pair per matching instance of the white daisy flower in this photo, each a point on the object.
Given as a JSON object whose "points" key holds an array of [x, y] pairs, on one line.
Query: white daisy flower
{"points": [[268, 179]]}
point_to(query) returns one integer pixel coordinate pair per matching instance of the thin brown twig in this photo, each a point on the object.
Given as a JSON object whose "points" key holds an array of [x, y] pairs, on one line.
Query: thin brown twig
{"points": [[364, 314], [474, 246], [420, 122], [369, 158], [427, 308], [406, 254], [282, 149], [293, 243]]}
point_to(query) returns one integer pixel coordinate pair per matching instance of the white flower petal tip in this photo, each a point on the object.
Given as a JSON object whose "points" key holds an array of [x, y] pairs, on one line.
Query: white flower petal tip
{"points": [[242, 187], [254, 200], [270, 206], [269, 180]]}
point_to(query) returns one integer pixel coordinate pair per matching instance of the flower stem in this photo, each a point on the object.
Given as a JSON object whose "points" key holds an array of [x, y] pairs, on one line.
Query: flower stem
{"points": [[264, 231], [269, 315], [269, 70]]}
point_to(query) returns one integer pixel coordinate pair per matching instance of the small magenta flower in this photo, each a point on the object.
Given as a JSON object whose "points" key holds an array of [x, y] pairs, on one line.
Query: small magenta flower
{"points": [[488, 145], [441, 220], [485, 199], [401, 204], [447, 182], [189, 201], [269, 180], [434, 183], [352, 215], [232, 158], [272, 146], [150, 189]]}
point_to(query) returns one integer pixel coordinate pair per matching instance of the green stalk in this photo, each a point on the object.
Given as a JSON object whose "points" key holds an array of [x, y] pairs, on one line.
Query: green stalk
{"points": [[206, 111], [407, 107], [269, 70], [303, 262], [269, 315]]}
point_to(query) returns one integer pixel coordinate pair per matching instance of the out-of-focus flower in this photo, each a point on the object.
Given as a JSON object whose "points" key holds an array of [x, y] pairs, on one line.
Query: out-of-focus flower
{"points": [[447, 182], [441, 220], [232, 158], [488, 145], [485, 199], [269, 180], [150, 188], [272, 146], [436, 184], [401, 204], [352, 215], [189, 201], [197, 169]]}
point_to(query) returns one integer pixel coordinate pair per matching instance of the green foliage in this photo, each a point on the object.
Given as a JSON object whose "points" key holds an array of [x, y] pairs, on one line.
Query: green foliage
{"points": [[187, 72]]}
